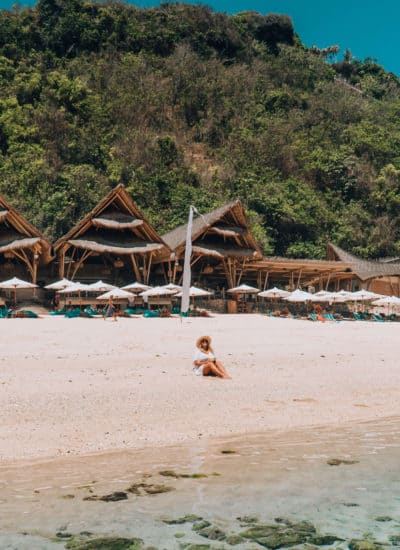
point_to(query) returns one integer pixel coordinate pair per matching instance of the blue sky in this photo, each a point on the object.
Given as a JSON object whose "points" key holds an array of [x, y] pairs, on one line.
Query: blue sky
{"points": [[369, 28]]}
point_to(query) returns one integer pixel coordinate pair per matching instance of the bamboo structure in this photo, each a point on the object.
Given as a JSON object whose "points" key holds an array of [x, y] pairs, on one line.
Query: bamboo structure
{"points": [[294, 273], [222, 245], [381, 276], [114, 237], [23, 249]]}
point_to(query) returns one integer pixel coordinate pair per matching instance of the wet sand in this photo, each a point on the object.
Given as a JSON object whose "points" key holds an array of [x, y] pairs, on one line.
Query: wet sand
{"points": [[70, 387], [264, 475]]}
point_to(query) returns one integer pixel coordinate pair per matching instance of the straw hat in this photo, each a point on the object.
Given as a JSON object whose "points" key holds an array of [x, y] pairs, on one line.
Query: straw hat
{"points": [[199, 341]]}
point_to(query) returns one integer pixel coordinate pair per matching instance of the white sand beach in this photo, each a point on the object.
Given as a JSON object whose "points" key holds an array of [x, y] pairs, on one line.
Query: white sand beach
{"points": [[78, 386]]}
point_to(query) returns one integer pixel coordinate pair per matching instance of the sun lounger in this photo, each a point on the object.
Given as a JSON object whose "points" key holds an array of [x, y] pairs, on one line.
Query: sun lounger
{"points": [[59, 311], [312, 317], [72, 313], [91, 311], [149, 313], [357, 316], [4, 312], [27, 314], [377, 317]]}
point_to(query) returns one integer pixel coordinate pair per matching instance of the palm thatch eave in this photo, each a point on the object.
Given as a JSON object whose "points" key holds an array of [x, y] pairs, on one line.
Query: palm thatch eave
{"points": [[364, 269]]}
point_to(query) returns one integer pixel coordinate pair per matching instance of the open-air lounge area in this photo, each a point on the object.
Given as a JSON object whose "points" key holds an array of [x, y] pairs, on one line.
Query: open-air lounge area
{"points": [[114, 245]]}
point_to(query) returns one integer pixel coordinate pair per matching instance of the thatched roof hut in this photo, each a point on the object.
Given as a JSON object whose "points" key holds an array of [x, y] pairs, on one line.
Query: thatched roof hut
{"points": [[381, 276], [114, 231], [221, 239], [365, 269], [20, 243]]}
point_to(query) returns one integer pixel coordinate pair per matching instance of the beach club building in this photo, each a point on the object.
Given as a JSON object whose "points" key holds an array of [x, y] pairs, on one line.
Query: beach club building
{"points": [[24, 252], [222, 245], [113, 242], [116, 243]]}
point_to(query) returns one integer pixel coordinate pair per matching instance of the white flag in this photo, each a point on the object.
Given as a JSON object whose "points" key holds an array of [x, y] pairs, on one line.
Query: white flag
{"points": [[186, 266]]}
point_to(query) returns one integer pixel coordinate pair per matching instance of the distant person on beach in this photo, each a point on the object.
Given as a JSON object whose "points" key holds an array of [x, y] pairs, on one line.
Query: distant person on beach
{"points": [[110, 310], [55, 302], [205, 361]]}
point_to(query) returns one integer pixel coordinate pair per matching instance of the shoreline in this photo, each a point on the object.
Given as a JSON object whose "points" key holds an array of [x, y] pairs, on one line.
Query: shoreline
{"points": [[294, 436]]}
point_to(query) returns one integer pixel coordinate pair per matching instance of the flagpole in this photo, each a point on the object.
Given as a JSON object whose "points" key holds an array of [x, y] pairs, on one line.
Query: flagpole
{"points": [[186, 266]]}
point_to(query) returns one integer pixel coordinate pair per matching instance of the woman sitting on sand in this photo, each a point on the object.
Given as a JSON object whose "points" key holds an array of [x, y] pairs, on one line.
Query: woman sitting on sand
{"points": [[205, 362]]}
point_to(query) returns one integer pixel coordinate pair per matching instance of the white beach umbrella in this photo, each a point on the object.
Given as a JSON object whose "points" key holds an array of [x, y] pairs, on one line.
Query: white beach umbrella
{"points": [[337, 297], [244, 289], [75, 288], [15, 284], [136, 287], [158, 291], [387, 301], [114, 294], [364, 295], [100, 286], [274, 293], [345, 294], [195, 292], [172, 286], [322, 293], [59, 285], [331, 297], [322, 296], [299, 296]]}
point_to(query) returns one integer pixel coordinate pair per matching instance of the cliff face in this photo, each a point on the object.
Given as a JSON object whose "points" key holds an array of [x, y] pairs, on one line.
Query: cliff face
{"points": [[187, 106]]}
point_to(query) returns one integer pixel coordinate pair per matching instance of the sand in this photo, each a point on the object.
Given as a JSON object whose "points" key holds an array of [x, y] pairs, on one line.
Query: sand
{"points": [[79, 386]]}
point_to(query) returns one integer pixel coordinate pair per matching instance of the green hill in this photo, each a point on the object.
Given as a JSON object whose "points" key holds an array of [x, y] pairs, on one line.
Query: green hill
{"points": [[187, 106]]}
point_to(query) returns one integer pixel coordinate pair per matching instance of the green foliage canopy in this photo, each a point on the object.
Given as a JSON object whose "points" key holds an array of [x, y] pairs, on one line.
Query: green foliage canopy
{"points": [[187, 106]]}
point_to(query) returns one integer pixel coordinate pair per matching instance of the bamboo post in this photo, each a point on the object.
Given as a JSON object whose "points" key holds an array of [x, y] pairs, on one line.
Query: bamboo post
{"points": [[266, 279], [136, 269]]}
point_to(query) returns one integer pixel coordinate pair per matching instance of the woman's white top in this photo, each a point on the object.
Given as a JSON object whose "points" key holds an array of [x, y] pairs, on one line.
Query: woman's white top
{"points": [[201, 356]]}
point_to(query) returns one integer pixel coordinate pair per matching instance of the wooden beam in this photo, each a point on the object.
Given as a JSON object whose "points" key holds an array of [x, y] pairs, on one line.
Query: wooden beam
{"points": [[328, 280], [299, 277], [148, 267], [266, 279], [78, 264], [196, 259], [61, 263], [21, 254], [136, 268], [70, 262]]}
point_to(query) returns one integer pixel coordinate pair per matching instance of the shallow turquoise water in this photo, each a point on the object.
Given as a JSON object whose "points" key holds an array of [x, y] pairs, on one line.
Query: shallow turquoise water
{"points": [[270, 475]]}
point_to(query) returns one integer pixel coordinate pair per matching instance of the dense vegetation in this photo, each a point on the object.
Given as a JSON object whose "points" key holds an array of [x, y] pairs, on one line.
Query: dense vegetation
{"points": [[184, 105]]}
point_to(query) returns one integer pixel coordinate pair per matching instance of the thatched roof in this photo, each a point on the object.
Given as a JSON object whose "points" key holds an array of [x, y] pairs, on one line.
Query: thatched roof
{"points": [[16, 233], [222, 251], [116, 248], [228, 221], [364, 269], [115, 226], [116, 220], [7, 245]]}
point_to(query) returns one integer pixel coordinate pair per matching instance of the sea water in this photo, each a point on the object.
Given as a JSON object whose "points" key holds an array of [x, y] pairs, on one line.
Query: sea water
{"points": [[271, 475]]}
